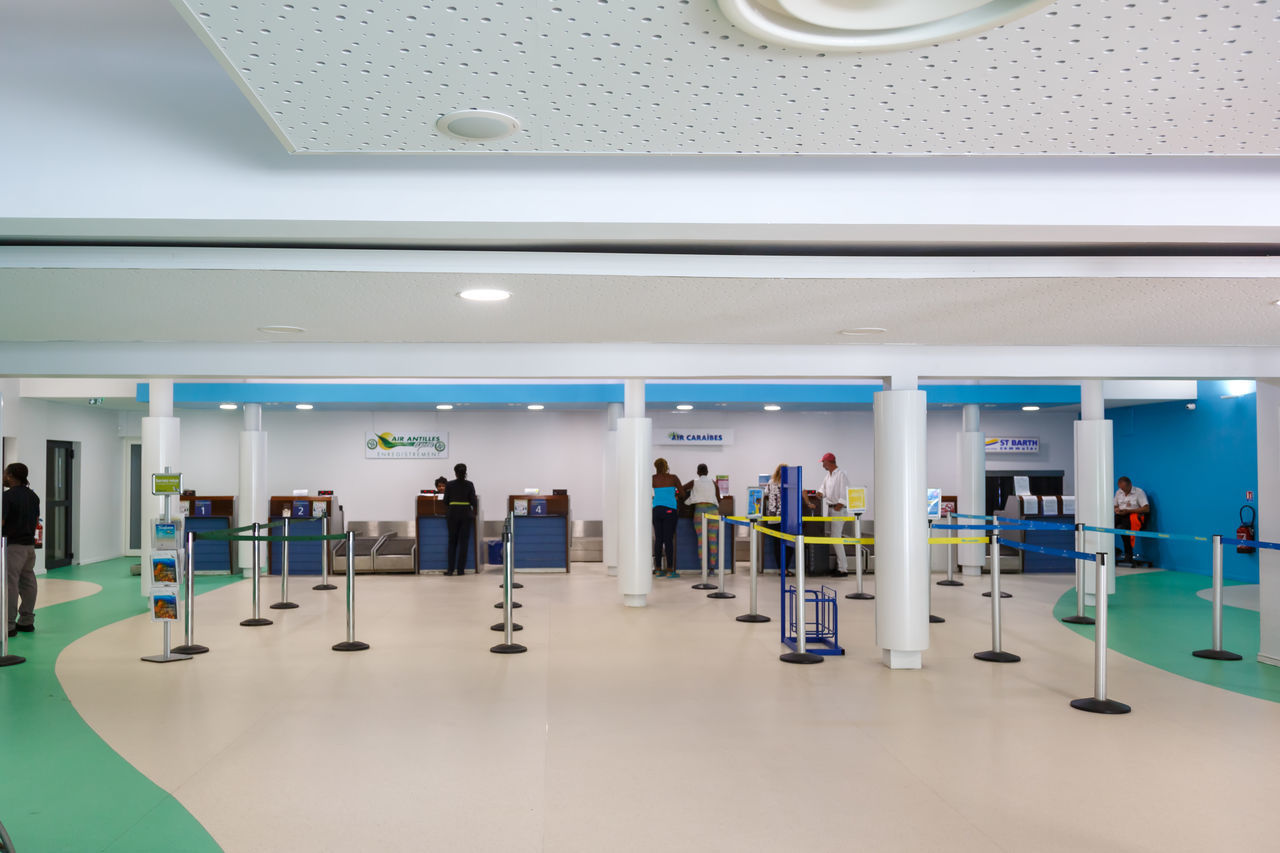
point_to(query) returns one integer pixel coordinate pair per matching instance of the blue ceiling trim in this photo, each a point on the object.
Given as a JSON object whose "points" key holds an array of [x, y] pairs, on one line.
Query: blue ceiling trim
{"points": [[260, 392]]}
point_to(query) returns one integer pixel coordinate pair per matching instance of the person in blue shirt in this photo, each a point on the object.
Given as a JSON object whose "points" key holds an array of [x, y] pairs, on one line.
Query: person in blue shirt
{"points": [[667, 491]]}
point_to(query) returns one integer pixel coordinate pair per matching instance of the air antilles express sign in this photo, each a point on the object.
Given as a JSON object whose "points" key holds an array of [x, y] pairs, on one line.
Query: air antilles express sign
{"points": [[390, 445]]}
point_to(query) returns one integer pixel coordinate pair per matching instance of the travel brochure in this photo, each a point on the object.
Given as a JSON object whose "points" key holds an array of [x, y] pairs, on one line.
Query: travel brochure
{"points": [[164, 607]]}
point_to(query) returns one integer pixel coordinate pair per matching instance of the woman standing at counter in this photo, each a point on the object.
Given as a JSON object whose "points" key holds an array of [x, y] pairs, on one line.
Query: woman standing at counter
{"points": [[666, 492], [460, 499], [702, 494]]}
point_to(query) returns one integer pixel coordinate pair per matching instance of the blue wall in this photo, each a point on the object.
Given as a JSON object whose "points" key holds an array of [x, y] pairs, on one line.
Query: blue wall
{"points": [[1196, 467]]}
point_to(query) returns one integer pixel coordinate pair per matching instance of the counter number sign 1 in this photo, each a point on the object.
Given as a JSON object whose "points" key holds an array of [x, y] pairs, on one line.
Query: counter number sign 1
{"points": [[166, 484]]}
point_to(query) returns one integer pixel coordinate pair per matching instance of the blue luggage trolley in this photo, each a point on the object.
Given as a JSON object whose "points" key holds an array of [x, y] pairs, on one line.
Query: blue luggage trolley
{"points": [[822, 631]]}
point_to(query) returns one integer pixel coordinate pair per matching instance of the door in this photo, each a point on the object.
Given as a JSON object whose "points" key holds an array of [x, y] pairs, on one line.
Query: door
{"points": [[57, 505]]}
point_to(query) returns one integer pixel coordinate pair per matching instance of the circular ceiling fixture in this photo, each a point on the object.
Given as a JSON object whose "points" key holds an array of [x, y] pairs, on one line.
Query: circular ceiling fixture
{"points": [[444, 407], [281, 329], [863, 331], [535, 407], [228, 407], [304, 407], [1030, 408], [852, 25], [485, 294], [773, 407], [477, 125], [684, 407]]}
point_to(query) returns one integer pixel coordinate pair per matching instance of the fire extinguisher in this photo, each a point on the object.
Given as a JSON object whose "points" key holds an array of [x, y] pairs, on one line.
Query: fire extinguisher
{"points": [[39, 532], [1245, 530]]}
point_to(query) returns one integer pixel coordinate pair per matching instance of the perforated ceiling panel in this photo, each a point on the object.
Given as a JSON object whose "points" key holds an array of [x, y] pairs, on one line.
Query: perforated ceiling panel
{"points": [[626, 76]]}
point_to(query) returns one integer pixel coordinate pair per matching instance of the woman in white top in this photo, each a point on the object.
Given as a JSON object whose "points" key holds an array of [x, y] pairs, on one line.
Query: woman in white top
{"points": [[703, 497]]}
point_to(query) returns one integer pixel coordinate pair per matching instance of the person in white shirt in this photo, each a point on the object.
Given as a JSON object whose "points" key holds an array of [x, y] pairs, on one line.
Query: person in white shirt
{"points": [[1131, 508], [835, 491], [705, 500]]}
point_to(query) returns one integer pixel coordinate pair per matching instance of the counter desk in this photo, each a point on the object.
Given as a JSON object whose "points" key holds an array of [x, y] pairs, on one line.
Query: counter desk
{"points": [[306, 514], [1039, 508], [432, 531], [206, 513], [688, 554], [542, 532]]}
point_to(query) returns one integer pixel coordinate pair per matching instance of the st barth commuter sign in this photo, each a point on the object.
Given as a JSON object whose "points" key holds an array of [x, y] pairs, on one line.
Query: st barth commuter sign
{"points": [[390, 445], [694, 436], [1013, 445]]}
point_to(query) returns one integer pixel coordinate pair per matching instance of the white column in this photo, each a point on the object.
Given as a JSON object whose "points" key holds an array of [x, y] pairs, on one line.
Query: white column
{"points": [[160, 448], [902, 551], [1094, 482], [252, 500], [1269, 519], [635, 490], [971, 495], [609, 543]]}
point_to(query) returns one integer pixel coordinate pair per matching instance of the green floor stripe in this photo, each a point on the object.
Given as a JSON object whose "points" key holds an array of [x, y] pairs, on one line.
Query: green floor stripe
{"points": [[1157, 618], [61, 787]]}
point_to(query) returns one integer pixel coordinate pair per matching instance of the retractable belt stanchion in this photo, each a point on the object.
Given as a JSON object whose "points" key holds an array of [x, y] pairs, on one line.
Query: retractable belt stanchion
{"points": [[720, 593], [995, 653], [1217, 652], [326, 554], [351, 644], [703, 584], [6, 659], [951, 565], [1099, 703], [190, 646], [507, 647], [1079, 618], [857, 560], [754, 550], [508, 537], [257, 568], [284, 603], [935, 620], [802, 630]]}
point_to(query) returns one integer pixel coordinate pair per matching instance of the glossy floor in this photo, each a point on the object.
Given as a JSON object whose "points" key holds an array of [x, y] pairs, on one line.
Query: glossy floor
{"points": [[671, 727]]}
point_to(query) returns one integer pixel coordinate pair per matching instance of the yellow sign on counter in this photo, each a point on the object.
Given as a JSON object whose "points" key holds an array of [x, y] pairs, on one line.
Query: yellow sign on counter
{"points": [[857, 499]]}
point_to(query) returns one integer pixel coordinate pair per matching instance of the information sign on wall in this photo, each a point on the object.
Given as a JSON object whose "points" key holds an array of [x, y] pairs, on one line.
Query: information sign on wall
{"points": [[1012, 445], [390, 445], [694, 436]]}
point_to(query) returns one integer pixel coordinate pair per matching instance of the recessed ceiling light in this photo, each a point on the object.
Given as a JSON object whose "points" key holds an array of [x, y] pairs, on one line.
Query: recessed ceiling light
{"points": [[443, 407], [485, 294], [477, 125], [279, 329], [772, 408], [1030, 408], [228, 407], [535, 407], [862, 331], [684, 407], [304, 407]]}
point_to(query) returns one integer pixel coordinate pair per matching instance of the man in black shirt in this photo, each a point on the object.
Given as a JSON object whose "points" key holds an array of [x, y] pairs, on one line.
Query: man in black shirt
{"points": [[21, 511], [461, 504]]}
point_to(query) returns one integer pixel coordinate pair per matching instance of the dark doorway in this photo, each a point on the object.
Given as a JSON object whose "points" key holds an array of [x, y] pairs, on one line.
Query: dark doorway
{"points": [[58, 504]]}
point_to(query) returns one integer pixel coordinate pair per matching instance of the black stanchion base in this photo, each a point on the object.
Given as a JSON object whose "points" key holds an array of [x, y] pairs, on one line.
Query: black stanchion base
{"points": [[800, 657], [501, 626], [254, 623], [1217, 654], [1003, 594], [950, 583], [284, 605], [1100, 706], [860, 596], [705, 586], [167, 657], [1079, 620], [997, 657], [350, 646], [193, 649], [508, 649], [514, 605], [10, 660], [721, 595], [324, 586], [753, 617], [936, 619], [514, 585]]}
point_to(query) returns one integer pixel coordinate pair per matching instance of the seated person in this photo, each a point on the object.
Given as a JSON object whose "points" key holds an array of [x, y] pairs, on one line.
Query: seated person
{"points": [[1131, 506]]}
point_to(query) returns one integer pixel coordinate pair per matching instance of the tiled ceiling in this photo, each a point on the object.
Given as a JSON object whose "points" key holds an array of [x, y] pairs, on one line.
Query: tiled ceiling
{"points": [[676, 77]]}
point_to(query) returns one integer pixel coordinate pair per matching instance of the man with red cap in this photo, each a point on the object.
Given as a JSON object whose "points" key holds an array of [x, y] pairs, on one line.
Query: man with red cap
{"points": [[835, 491]]}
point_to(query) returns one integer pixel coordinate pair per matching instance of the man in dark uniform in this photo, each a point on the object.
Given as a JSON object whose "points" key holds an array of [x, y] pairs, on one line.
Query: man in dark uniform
{"points": [[461, 505], [21, 511]]}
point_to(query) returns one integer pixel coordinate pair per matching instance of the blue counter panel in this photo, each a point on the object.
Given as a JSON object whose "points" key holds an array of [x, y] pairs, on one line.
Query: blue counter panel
{"points": [[433, 544], [1060, 539], [304, 557], [541, 542], [210, 556]]}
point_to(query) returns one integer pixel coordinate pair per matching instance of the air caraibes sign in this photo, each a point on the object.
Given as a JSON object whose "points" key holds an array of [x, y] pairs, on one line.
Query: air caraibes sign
{"points": [[694, 436], [390, 445]]}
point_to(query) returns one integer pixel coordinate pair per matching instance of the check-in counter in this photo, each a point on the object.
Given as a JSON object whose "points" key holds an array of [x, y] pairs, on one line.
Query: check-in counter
{"points": [[688, 554], [206, 513], [432, 535], [306, 514], [542, 527], [1054, 508]]}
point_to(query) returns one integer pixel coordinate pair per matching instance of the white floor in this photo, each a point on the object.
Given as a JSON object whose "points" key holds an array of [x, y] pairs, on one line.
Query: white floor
{"points": [[668, 728]]}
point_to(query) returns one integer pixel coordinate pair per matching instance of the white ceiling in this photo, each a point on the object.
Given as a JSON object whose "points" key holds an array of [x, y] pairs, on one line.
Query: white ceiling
{"points": [[122, 130]]}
